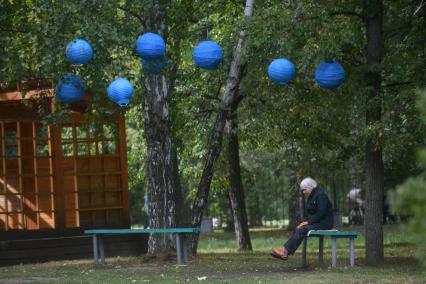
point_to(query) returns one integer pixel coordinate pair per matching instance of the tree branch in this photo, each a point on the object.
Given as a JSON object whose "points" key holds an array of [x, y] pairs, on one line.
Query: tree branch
{"points": [[133, 14], [339, 13], [12, 31], [397, 84], [347, 13]]}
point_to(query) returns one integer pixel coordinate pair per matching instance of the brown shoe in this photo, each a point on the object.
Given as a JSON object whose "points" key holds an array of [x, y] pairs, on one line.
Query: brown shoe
{"points": [[280, 253]]}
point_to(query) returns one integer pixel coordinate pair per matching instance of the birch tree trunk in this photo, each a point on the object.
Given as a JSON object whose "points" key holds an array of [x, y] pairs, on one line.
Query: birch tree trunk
{"points": [[216, 137], [373, 151], [236, 191], [160, 174]]}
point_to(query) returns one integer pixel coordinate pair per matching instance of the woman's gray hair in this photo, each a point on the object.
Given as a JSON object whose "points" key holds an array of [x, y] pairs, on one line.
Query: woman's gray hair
{"points": [[308, 182]]}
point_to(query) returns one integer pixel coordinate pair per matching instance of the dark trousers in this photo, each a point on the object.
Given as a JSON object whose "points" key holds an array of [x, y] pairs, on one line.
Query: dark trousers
{"points": [[299, 234]]}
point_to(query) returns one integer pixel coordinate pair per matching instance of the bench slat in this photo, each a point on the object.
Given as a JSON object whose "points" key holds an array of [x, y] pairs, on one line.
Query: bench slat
{"points": [[332, 233], [142, 231]]}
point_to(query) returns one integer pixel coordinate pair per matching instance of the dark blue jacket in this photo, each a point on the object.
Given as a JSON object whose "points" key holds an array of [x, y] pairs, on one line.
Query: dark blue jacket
{"points": [[319, 209]]}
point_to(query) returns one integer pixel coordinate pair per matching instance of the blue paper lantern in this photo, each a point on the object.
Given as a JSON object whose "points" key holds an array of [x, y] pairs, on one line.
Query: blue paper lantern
{"points": [[70, 89], [120, 91], [150, 46], [281, 71], [78, 51], [329, 74], [154, 66], [207, 55]]}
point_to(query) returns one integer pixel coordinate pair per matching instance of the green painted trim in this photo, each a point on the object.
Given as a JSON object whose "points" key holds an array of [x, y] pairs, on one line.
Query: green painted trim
{"points": [[333, 233], [141, 231]]}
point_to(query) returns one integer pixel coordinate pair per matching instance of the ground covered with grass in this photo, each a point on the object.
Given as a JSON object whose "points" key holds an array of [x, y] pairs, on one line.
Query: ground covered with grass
{"points": [[219, 262]]}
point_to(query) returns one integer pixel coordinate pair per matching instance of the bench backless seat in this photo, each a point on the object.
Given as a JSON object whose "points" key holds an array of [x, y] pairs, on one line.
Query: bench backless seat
{"points": [[179, 233], [334, 235]]}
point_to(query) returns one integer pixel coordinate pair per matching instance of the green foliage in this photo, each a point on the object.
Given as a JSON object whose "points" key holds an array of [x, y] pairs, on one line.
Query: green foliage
{"points": [[410, 198], [300, 126]]}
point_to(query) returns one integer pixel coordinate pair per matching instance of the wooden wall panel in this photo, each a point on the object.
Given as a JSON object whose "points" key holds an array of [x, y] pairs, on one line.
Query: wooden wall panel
{"points": [[97, 200], [2, 203], [47, 220], [97, 183], [43, 166], [70, 201], [115, 217], [113, 182], [12, 167], [44, 184], [28, 184], [67, 165], [81, 186], [12, 185], [112, 164], [15, 221], [84, 200], [69, 184], [99, 218], [113, 199], [95, 165], [86, 219], [45, 203], [3, 222], [14, 203], [31, 222], [82, 165], [30, 202], [83, 183], [71, 219]]}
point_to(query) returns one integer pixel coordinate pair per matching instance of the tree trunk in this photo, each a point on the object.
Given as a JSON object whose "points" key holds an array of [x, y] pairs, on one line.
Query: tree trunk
{"points": [[160, 175], [215, 141], [295, 202], [373, 152], [230, 227], [182, 208], [161, 194], [236, 192]]}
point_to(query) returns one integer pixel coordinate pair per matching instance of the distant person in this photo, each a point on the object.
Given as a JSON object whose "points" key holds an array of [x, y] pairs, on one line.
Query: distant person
{"points": [[319, 217], [356, 207]]}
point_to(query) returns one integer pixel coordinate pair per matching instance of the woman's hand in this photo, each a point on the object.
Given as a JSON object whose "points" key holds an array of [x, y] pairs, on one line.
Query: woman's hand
{"points": [[303, 224]]}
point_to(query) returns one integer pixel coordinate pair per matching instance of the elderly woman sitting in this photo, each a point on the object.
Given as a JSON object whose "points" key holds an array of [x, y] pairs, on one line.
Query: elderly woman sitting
{"points": [[319, 217]]}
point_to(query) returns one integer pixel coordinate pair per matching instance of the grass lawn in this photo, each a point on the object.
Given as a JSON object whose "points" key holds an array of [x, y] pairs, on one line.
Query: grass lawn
{"points": [[219, 262]]}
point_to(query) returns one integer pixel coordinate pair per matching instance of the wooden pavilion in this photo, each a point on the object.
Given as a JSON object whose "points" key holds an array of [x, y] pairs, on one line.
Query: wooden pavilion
{"points": [[57, 180]]}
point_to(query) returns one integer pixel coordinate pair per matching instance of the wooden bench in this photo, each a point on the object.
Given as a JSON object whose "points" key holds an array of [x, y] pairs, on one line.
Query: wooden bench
{"points": [[334, 235], [180, 235]]}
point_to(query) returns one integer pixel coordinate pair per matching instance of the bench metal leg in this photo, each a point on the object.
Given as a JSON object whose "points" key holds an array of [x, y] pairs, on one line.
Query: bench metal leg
{"points": [[185, 248], [321, 250], [304, 248], [333, 252], [178, 249], [101, 249], [352, 251], [95, 248]]}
